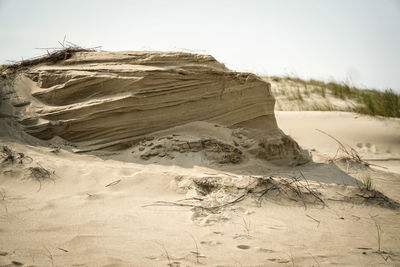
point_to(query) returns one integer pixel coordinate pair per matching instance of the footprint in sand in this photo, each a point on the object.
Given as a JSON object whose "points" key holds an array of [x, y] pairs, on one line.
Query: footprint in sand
{"points": [[243, 246], [14, 264], [366, 147]]}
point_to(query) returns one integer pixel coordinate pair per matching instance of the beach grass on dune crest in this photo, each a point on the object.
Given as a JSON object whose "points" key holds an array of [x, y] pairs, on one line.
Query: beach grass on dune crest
{"points": [[385, 103], [367, 101]]}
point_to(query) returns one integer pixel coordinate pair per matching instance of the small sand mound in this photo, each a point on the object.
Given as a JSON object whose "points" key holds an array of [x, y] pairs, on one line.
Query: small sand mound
{"points": [[214, 198]]}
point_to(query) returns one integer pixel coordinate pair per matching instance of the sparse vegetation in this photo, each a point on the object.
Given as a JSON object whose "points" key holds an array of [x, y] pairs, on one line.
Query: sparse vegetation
{"points": [[50, 256], [197, 253], [9, 157], [323, 93], [378, 230], [385, 103], [366, 183], [166, 255], [246, 227], [3, 199], [327, 106], [298, 95], [3, 67], [306, 92], [339, 90], [345, 152], [364, 101], [65, 51], [40, 174]]}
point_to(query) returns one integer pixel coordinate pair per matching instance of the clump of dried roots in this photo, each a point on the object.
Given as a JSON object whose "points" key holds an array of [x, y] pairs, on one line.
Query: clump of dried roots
{"points": [[40, 174], [291, 190], [9, 157], [55, 55]]}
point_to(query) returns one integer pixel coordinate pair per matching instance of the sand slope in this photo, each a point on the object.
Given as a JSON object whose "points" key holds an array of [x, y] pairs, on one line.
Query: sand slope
{"points": [[75, 219], [376, 139], [170, 159]]}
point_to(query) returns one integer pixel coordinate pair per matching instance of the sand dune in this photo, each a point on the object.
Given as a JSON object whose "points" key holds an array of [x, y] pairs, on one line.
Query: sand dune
{"points": [[188, 192], [103, 99], [376, 139]]}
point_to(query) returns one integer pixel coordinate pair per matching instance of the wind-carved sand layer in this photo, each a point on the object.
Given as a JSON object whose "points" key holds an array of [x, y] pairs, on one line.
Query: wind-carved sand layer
{"points": [[99, 100]]}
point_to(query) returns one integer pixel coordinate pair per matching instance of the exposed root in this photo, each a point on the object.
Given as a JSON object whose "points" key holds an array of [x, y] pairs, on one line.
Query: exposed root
{"points": [[9, 157], [216, 194], [211, 198], [40, 174], [373, 197], [288, 189]]}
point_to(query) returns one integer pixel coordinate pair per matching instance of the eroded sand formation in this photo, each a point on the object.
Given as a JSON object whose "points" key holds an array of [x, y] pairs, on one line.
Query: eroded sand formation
{"points": [[110, 100], [180, 170]]}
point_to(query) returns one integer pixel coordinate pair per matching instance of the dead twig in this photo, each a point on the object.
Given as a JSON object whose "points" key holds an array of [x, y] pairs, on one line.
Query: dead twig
{"points": [[63, 249], [286, 186], [314, 219], [197, 253], [378, 230], [211, 208], [113, 183], [64, 52], [312, 192], [348, 152]]}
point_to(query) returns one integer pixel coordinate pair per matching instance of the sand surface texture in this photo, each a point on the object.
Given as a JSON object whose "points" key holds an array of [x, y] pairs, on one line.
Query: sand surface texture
{"points": [[114, 177]]}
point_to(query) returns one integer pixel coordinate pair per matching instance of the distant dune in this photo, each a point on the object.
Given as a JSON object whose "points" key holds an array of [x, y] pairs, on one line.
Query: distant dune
{"points": [[292, 93]]}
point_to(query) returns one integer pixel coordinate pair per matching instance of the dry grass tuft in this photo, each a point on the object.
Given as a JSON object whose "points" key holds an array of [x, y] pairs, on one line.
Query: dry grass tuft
{"points": [[366, 183], [293, 190], [51, 57], [9, 157], [64, 52], [40, 174], [364, 101], [345, 152]]}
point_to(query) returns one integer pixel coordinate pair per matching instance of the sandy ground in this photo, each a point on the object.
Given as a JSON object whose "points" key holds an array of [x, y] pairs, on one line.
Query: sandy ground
{"points": [[376, 139], [94, 211]]}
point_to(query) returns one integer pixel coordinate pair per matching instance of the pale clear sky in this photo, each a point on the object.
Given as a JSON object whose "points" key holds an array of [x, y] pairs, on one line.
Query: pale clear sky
{"points": [[337, 39]]}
